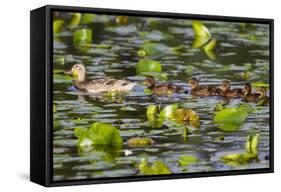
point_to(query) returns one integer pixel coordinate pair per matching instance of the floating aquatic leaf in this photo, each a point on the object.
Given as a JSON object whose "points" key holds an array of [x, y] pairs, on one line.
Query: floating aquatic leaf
{"points": [[157, 168], [58, 78], [185, 115], [147, 65], [230, 119], [142, 53], [155, 50], [54, 108], [98, 133], [252, 144], [87, 18], [140, 142], [251, 152], [210, 46], [260, 84], [81, 36], [200, 29], [121, 19], [57, 25], [75, 20], [151, 110], [198, 42], [169, 111], [187, 160]]}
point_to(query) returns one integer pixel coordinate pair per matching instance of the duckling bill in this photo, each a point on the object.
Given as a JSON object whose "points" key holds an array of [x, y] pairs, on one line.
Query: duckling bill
{"points": [[105, 84]]}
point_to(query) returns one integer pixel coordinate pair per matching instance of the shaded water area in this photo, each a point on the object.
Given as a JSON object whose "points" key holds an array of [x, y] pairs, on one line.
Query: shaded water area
{"points": [[242, 55]]}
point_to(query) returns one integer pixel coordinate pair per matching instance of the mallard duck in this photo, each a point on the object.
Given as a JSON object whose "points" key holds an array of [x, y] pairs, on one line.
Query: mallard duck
{"points": [[105, 84], [263, 98], [162, 89], [248, 95], [201, 90], [231, 93]]}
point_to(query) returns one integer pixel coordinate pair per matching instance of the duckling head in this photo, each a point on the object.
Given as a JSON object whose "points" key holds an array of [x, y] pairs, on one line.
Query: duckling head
{"points": [[247, 89], [262, 92], [149, 81], [78, 70], [193, 82], [225, 86]]}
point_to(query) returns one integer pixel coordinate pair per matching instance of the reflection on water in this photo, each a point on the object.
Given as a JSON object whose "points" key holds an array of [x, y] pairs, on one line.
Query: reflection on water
{"points": [[239, 58]]}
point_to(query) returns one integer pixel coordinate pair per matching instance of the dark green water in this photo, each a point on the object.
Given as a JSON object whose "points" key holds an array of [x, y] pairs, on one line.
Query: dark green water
{"points": [[239, 46]]}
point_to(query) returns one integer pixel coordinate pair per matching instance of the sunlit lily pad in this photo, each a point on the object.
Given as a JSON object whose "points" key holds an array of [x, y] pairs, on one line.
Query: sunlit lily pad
{"points": [[157, 168], [140, 142], [187, 160], [147, 65], [98, 133]]}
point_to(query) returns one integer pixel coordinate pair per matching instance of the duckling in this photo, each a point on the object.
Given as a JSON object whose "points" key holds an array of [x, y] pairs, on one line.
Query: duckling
{"points": [[227, 92], [263, 98], [162, 89], [200, 90], [248, 95], [105, 84]]}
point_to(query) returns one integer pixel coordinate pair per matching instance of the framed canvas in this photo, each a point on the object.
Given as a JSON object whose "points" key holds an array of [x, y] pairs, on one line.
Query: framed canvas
{"points": [[122, 95]]}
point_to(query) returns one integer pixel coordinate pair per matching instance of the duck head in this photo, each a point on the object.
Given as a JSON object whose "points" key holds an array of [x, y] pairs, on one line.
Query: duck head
{"points": [[193, 82], [149, 81], [247, 89], [78, 70], [225, 86], [262, 92]]}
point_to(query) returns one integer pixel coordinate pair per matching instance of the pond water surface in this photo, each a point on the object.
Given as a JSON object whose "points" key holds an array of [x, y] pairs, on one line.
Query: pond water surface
{"points": [[242, 55]]}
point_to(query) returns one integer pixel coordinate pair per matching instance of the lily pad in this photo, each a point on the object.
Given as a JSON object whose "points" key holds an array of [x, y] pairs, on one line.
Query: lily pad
{"points": [[147, 65], [57, 25], [98, 133], [75, 20], [140, 142], [200, 29], [157, 168], [230, 119], [81, 36], [187, 160], [168, 111]]}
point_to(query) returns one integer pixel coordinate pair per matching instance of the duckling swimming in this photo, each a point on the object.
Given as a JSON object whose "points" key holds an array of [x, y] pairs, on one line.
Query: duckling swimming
{"points": [[105, 84], [227, 92], [248, 95], [263, 98], [200, 90], [162, 89]]}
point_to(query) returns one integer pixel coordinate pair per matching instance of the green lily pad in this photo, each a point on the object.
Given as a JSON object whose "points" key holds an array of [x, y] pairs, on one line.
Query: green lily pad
{"points": [[157, 168], [81, 36], [57, 25], [140, 142], [200, 29], [187, 160], [97, 134], [252, 144], [75, 20], [147, 65], [168, 111], [230, 119], [87, 18]]}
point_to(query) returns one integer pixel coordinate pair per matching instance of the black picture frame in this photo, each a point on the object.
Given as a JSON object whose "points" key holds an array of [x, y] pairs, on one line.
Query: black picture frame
{"points": [[41, 58]]}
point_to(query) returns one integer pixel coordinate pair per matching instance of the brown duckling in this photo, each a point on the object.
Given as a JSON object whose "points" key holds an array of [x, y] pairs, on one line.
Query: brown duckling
{"points": [[162, 89], [200, 90], [227, 92], [248, 95], [263, 98]]}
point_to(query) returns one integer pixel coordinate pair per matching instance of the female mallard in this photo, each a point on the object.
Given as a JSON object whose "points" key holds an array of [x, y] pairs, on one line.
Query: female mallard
{"points": [[248, 95], [227, 92], [162, 89], [105, 84], [201, 90], [263, 98]]}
